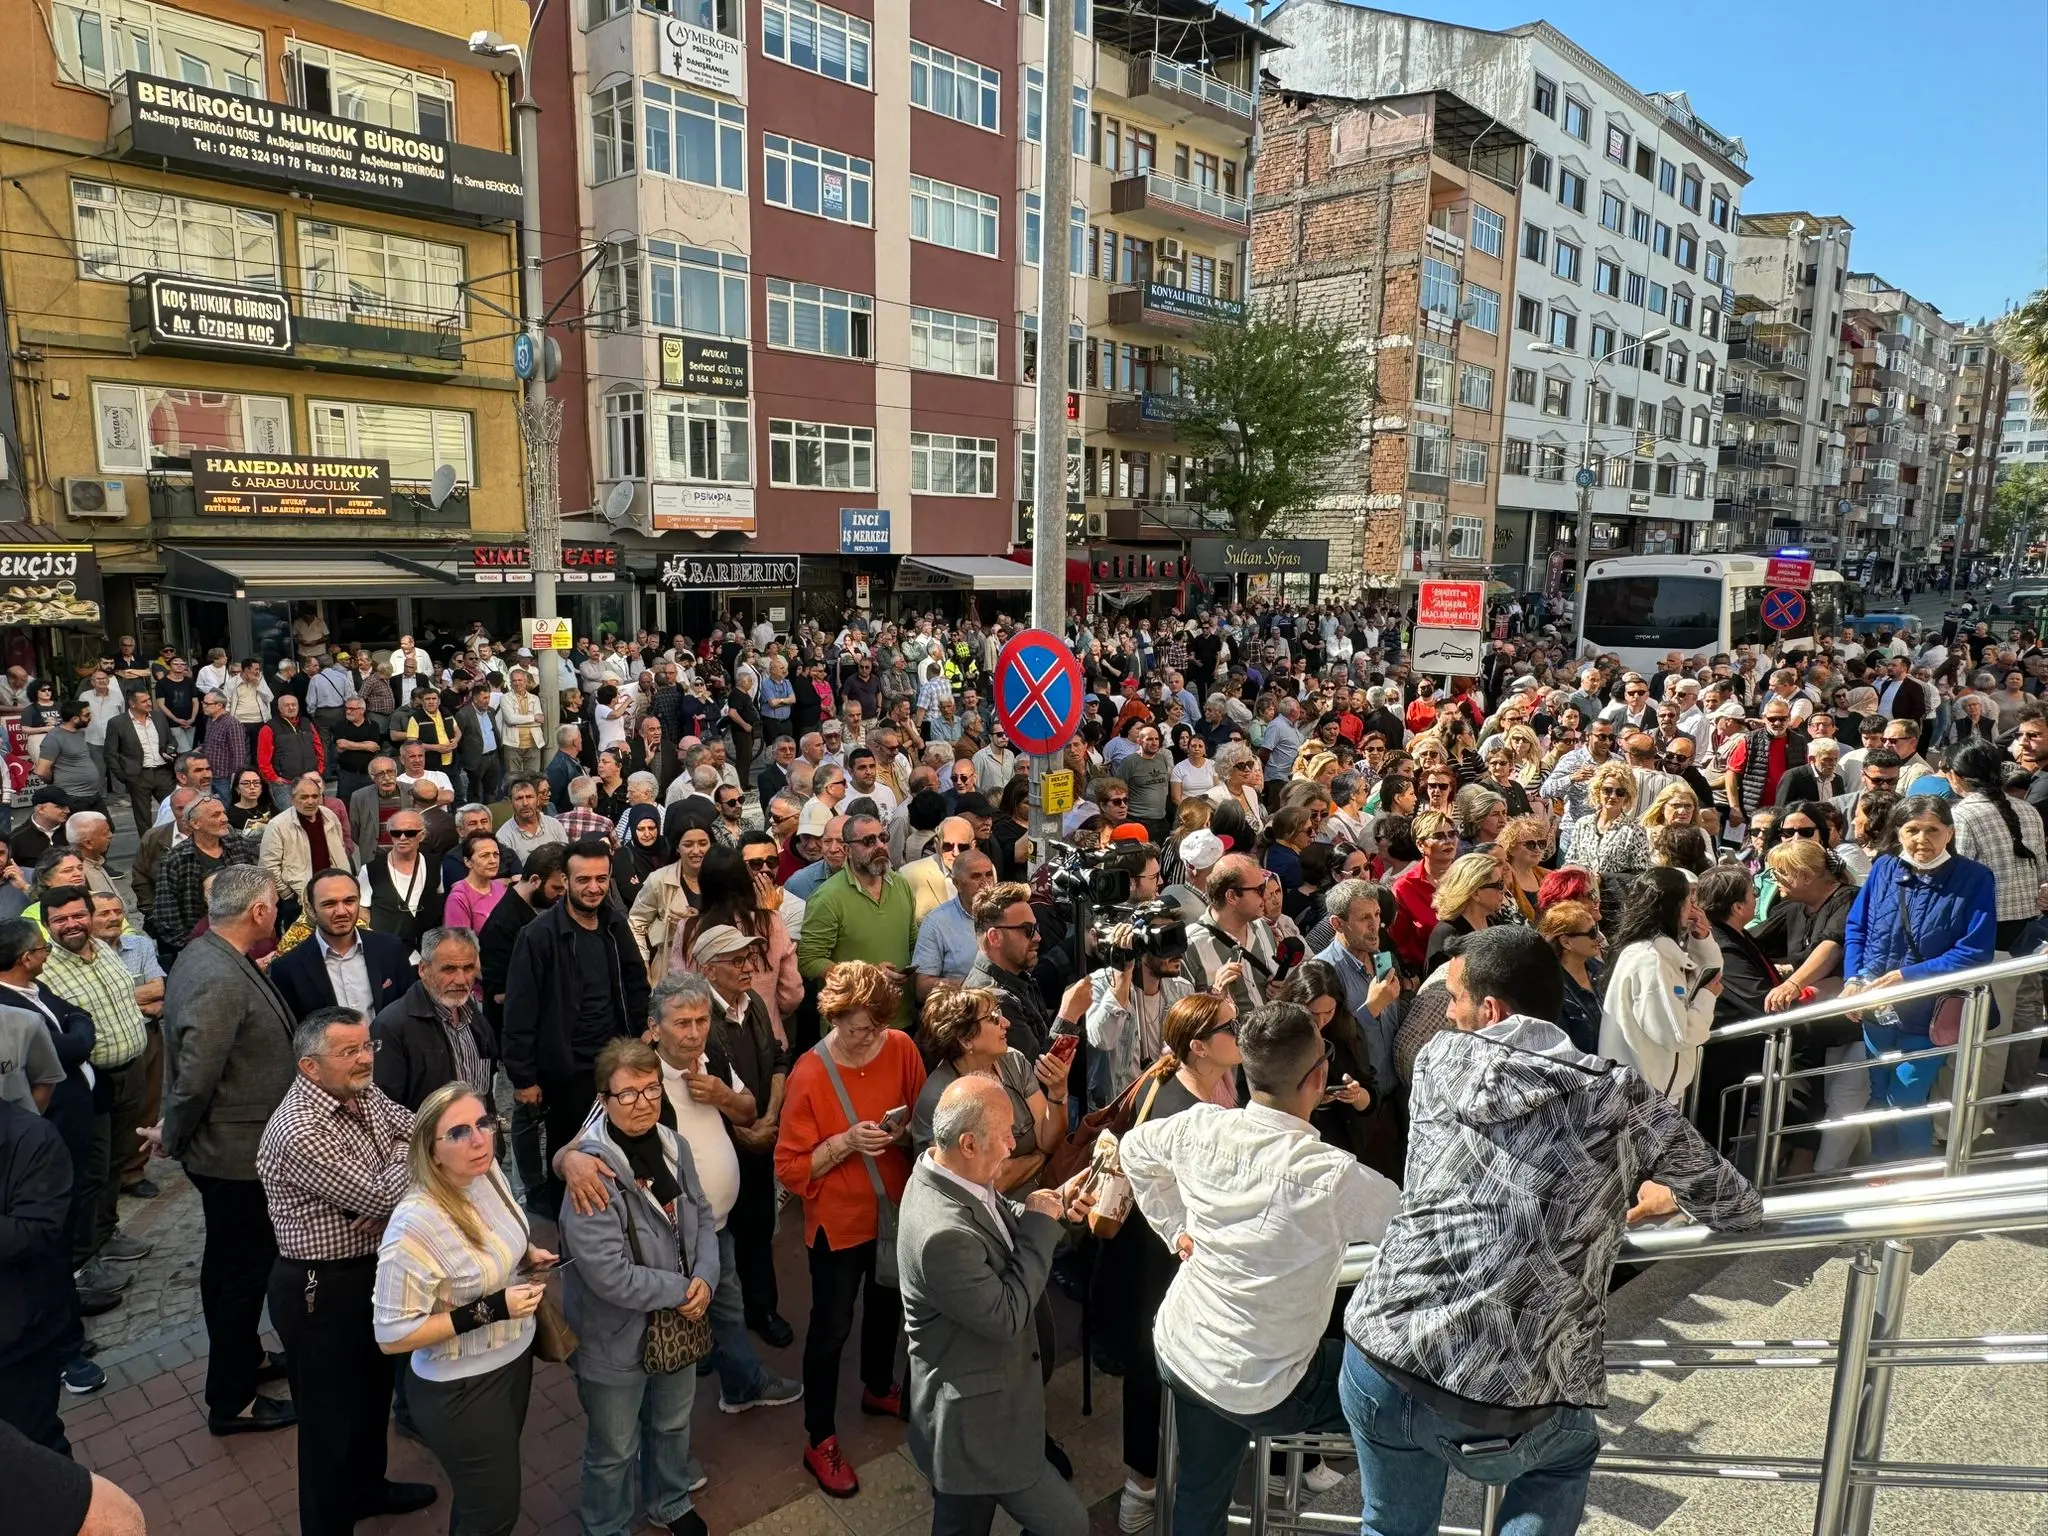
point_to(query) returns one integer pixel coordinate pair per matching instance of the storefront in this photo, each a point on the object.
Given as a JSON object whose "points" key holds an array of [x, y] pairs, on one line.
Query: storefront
{"points": [[1261, 570], [52, 607], [1139, 582], [592, 591], [955, 586], [704, 588]]}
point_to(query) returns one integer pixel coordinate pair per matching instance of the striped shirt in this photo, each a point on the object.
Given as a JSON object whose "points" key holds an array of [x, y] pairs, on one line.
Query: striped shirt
{"points": [[425, 1265], [98, 981], [332, 1170]]}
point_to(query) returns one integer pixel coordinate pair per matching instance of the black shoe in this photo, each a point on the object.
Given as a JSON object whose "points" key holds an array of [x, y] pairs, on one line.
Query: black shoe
{"points": [[401, 1499], [93, 1303], [774, 1329], [141, 1189], [1057, 1455], [272, 1368], [264, 1414], [689, 1523]]}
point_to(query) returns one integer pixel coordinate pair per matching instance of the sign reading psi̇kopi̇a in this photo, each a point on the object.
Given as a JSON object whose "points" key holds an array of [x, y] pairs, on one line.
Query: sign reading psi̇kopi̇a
{"points": [[280, 485]]}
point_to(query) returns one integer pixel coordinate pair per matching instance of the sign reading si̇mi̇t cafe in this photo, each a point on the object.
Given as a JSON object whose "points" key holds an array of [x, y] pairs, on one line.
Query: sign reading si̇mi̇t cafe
{"points": [[245, 138], [280, 485]]}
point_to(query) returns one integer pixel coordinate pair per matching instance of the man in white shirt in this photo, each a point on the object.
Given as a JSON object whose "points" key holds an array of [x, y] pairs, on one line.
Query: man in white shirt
{"points": [[412, 767], [1260, 1210]]}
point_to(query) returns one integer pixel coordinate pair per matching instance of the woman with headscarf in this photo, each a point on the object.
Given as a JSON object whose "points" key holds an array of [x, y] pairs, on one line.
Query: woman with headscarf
{"points": [[641, 853]]}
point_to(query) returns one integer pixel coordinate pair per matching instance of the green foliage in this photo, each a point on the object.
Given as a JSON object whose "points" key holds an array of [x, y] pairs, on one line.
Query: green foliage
{"points": [[2023, 337], [1275, 406], [2019, 505]]}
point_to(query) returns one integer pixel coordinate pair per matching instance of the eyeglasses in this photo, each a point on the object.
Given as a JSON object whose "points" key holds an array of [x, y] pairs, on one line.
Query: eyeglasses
{"points": [[1586, 933], [869, 841], [1328, 1063], [1029, 930], [1616, 792], [408, 832], [462, 1135], [651, 1094], [1799, 831], [1493, 885], [1882, 781], [955, 847], [1441, 837], [1229, 1029], [1533, 844], [1116, 799], [760, 864]]}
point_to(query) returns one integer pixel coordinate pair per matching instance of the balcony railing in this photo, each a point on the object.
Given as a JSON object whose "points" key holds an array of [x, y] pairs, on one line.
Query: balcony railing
{"points": [[1183, 516], [1146, 415], [1154, 192], [1160, 77]]}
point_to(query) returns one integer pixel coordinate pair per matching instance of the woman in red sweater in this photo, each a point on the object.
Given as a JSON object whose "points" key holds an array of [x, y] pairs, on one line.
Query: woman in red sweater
{"points": [[1436, 835]]}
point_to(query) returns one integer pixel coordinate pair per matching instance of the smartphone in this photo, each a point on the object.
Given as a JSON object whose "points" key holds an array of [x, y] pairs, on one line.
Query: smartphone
{"points": [[1064, 1046], [1382, 962], [542, 1271], [1710, 976], [893, 1121]]}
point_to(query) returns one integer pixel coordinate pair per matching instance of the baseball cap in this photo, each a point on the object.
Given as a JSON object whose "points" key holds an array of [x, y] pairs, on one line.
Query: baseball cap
{"points": [[1522, 685], [1130, 832], [813, 820], [50, 794], [1200, 849], [1730, 711], [717, 942], [831, 728]]}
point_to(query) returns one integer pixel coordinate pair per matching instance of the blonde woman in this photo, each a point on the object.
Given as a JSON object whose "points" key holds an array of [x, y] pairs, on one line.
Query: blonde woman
{"points": [[1676, 805], [450, 1294], [1468, 898], [1610, 841], [1527, 754], [1524, 844]]}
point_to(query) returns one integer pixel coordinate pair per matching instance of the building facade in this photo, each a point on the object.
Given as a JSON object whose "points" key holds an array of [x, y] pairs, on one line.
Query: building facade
{"points": [[258, 274], [1977, 415], [2023, 431], [1898, 430]]}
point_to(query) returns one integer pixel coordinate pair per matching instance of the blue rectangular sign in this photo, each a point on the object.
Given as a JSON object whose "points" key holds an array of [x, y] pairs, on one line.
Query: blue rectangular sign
{"points": [[864, 530]]}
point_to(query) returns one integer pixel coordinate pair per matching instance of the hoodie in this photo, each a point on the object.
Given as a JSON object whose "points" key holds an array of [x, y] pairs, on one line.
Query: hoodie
{"points": [[1524, 1156]]}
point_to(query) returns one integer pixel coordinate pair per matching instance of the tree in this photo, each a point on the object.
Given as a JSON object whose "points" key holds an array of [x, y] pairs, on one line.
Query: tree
{"points": [[2023, 337], [2019, 506], [1274, 405]]}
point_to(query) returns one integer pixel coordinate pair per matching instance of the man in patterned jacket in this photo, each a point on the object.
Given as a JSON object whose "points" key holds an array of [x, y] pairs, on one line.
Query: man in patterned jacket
{"points": [[1475, 1340]]}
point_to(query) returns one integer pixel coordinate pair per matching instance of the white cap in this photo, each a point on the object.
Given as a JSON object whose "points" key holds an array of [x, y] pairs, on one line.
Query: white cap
{"points": [[1200, 849]]}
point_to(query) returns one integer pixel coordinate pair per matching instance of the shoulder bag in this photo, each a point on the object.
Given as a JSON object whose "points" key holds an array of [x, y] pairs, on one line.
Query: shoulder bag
{"points": [[673, 1340], [1945, 1024], [553, 1338], [885, 1208], [1116, 1117]]}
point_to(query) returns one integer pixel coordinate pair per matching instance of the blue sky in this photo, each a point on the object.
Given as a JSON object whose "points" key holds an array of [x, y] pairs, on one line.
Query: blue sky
{"points": [[1925, 126]]}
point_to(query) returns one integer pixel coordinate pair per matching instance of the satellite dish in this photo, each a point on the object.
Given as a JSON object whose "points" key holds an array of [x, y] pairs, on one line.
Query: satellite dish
{"points": [[618, 503], [444, 485], [1469, 310]]}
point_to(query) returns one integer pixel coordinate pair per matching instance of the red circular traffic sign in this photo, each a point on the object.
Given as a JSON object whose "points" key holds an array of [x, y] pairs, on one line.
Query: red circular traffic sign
{"points": [[1039, 692], [1783, 609]]}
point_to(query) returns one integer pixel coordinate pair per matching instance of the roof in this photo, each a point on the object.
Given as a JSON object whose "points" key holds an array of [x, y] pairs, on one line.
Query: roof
{"points": [[1178, 28]]}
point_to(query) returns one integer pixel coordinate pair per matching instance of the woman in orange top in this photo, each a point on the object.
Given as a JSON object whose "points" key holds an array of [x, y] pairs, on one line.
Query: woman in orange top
{"points": [[820, 1157]]}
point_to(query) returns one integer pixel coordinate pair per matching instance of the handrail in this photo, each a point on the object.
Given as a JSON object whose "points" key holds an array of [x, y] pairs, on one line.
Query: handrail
{"points": [[1878, 997]]}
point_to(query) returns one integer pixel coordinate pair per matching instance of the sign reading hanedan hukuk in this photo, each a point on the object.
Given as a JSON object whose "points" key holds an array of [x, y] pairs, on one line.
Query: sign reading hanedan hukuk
{"points": [[289, 485]]}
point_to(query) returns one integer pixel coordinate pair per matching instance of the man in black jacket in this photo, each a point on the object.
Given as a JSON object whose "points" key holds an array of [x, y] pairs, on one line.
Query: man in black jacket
{"points": [[539, 885], [436, 1033], [373, 968], [576, 982], [38, 1303]]}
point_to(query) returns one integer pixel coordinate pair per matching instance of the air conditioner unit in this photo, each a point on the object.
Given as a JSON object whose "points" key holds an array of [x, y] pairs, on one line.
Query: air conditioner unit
{"points": [[1098, 525], [95, 500], [1172, 250], [1173, 277]]}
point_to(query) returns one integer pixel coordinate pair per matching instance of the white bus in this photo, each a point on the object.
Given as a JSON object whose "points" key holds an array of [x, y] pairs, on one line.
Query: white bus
{"points": [[1643, 607]]}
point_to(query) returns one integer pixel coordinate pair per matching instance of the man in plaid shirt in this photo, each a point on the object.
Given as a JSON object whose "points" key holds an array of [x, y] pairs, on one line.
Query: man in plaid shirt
{"points": [[583, 819], [223, 741], [181, 881]]}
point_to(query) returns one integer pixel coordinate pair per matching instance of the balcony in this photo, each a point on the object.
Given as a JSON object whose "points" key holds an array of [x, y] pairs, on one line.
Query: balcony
{"points": [[333, 333], [1163, 308], [1180, 516], [1180, 91], [1145, 415], [351, 335], [1875, 376], [1179, 207], [1762, 406], [1422, 483], [171, 500], [1894, 341]]}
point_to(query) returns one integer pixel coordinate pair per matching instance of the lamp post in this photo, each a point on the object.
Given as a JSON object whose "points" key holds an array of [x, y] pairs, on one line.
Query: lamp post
{"points": [[1585, 475], [540, 417]]}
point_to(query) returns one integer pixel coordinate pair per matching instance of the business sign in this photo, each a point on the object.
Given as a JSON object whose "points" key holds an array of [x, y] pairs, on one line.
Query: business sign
{"points": [[1790, 571], [729, 573], [280, 485], [1451, 605], [549, 635], [697, 365], [179, 312], [1189, 304], [50, 584], [864, 530], [1260, 557], [1131, 567], [832, 193], [512, 564], [248, 139], [699, 57], [1077, 524], [1446, 652], [705, 509]]}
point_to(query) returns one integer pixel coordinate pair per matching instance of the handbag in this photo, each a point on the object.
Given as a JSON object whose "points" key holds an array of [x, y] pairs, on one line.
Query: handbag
{"points": [[1117, 1116], [1945, 1027], [885, 1208], [553, 1338], [673, 1340]]}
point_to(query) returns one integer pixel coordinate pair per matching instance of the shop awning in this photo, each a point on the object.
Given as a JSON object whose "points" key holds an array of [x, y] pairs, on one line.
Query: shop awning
{"points": [[253, 574], [982, 573]]}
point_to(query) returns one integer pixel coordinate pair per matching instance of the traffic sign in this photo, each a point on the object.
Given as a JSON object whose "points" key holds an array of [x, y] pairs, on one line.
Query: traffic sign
{"points": [[549, 635], [1039, 692], [1451, 605], [522, 355], [1056, 792], [1795, 573], [1784, 609], [1584, 479]]}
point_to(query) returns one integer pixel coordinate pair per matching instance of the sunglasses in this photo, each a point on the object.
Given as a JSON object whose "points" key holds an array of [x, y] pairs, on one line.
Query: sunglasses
{"points": [[407, 832], [1799, 831], [760, 864], [462, 1135], [869, 841], [1441, 837], [955, 847], [1029, 930], [1614, 793]]}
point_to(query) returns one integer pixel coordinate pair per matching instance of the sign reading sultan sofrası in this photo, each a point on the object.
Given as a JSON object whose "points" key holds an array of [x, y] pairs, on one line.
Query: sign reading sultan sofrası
{"points": [[280, 485]]}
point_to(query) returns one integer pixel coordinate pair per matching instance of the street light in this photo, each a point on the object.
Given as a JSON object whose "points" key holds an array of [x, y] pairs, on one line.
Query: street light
{"points": [[1585, 475]]}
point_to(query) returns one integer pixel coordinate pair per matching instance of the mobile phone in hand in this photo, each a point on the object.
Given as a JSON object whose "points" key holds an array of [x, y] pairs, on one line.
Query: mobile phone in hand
{"points": [[892, 1122], [1064, 1046]]}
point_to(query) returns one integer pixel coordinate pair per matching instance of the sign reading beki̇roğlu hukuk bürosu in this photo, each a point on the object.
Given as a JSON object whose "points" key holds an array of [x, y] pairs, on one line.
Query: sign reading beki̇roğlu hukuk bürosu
{"points": [[281, 485], [248, 138]]}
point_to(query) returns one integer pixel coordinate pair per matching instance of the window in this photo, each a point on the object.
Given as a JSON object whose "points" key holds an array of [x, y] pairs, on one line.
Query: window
{"points": [[1077, 226], [351, 273], [1705, 372], [704, 292], [1529, 316], [612, 134], [1660, 240], [1695, 482], [1688, 255], [1475, 386], [1557, 397], [1713, 265], [124, 232], [807, 318], [616, 303], [1617, 144], [1607, 277], [1550, 461], [1565, 262], [1426, 527], [701, 439], [1639, 225], [143, 428], [821, 182], [416, 441], [1652, 358], [1571, 190], [1697, 426], [1710, 321], [1515, 456], [98, 41], [1601, 344], [815, 37], [1628, 356], [954, 87], [818, 456], [1634, 288], [1689, 191], [1534, 242], [952, 466], [1667, 479], [1613, 212], [1544, 97], [1432, 374], [625, 435], [1675, 359], [1577, 120], [1667, 178], [1484, 304], [1657, 298], [1488, 229], [1646, 162], [1468, 534], [1522, 386], [1034, 111], [949, 343], [1564, 329], [1681, 310], [1439, 286], [1539, 169], [1429, 449], [1717, 210], [338, 84], [957, 217], [712, 15], [1468, 463], [693, 138], [1671, 423]]}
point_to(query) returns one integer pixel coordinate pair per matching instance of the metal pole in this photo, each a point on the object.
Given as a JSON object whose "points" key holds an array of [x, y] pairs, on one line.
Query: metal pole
{"points": [[1169, 1462], [1049, 488], [1585, 529], [1852, 1358], [1771, 1109], [543, 512], [1489, 1514], [1894, 1275], [1962, 1114]]}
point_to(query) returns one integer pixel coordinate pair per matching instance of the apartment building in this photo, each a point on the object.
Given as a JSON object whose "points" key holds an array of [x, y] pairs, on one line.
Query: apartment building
{"points": [[1899, 436], [257, 270], [1977, 415], [1782, 460], [1623, 279], [1395, 220]]}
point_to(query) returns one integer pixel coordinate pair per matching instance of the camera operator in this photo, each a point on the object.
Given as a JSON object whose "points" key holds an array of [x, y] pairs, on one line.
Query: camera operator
{"points": [[1129, 996], [1006, 930], [1231, 947]]}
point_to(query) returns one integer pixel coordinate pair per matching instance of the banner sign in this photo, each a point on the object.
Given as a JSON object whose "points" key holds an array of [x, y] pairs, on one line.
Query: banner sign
{"points": [[1451, 605], [727, 573], [697, 365], [1285, 557], [512, 564], [178, 311], [245, 138], [701, 508], [700, 57], [235, 485], [49, 584], [863, 530]]}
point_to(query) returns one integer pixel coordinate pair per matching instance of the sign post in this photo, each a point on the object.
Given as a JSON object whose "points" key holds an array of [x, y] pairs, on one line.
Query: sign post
{"points": [[1450, 622], [1783, 609]]}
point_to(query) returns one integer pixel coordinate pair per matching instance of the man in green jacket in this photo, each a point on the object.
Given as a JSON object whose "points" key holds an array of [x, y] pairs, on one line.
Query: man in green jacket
{"points": [[865, 912]]}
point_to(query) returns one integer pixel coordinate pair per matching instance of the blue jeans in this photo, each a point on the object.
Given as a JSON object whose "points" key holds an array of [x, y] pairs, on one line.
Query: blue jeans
{"points": [[1404, 1449], [740, 1372], [1211, 1444], [1898, 1085], [647, 1418]]}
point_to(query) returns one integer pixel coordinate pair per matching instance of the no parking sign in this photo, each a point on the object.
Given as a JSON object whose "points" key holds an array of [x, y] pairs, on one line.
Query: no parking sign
{"points": [[1039, 692]]}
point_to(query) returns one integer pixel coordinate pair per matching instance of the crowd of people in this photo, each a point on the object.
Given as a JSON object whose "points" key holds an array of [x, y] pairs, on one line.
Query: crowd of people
{"points": [[485, 1036]]}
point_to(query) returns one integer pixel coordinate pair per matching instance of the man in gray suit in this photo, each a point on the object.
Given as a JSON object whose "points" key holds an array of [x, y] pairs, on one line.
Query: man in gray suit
{"points": [[228, 1059], [973, 1265]]}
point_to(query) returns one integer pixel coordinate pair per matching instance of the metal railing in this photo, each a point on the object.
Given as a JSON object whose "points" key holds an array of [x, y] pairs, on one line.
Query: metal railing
{"points": [[1881, 1225]]}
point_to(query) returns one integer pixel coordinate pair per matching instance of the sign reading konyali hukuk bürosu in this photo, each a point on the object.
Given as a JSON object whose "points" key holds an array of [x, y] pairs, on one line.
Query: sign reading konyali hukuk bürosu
{"points": [[286, 485]]}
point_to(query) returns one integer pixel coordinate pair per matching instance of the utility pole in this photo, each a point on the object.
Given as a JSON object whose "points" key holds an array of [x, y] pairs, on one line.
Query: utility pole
{"points": [[1049, 488], [541, 417]]}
